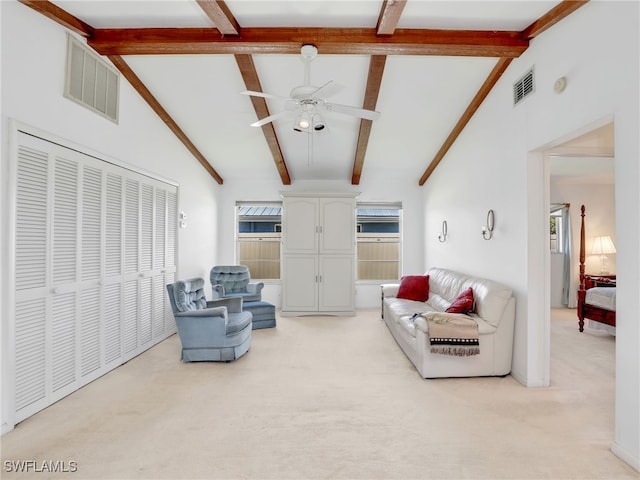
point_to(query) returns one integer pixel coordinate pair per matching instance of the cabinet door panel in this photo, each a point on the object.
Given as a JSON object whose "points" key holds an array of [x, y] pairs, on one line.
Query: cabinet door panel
{"points": [[299, 225], [338, 225], [299, 284], [336, 283]]}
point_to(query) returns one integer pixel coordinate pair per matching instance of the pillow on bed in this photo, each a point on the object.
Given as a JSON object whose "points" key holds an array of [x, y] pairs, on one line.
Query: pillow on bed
{"points": [[462, 304], [414, 287]]}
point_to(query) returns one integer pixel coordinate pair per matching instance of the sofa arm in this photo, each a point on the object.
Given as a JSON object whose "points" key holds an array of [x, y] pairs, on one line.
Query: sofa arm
{"points": [[390, 289], [231, 304]]}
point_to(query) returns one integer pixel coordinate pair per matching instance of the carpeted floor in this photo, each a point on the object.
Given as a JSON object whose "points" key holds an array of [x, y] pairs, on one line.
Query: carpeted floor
{"points": [[331, 398]]}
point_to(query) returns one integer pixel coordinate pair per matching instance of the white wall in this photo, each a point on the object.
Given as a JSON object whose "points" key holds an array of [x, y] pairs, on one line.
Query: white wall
{"points": [[497, 163], [33, 65], [385, 187]]}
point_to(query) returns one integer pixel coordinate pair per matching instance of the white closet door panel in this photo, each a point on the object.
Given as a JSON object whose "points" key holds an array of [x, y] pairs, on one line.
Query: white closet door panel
{"points": [[131, 228], [130, 311], [65, 219], [172, 227], [145, 311], [169, 319], [30, 355], [159, 239], [146, 223], [158, 306], [113, 225], [91, 254], [90, 341], [31, 219], [63, 340], [112, 323]]}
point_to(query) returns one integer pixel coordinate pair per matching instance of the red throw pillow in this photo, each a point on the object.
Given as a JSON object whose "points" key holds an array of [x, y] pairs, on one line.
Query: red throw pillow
{"points": [[414, 287], [462, 304]]}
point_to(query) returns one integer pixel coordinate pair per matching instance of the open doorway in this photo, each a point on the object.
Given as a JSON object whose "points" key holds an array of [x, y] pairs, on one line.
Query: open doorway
{"points": [[581, 172]]}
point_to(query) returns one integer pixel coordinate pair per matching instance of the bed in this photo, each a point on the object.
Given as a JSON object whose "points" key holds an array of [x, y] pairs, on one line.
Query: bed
{"points": [[596, 294]]}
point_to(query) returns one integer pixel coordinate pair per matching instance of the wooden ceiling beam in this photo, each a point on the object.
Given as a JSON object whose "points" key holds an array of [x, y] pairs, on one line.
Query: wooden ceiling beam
{"points": [[219, 13], [60, 16], [486, 87], [552, 17], [359, 41], [374, 80], [389, 16], [252, 82], [144, 92]]}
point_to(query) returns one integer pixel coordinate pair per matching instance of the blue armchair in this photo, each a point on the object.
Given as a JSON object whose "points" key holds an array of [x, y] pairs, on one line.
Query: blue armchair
{"points": [[215, 330], [234, 281]]}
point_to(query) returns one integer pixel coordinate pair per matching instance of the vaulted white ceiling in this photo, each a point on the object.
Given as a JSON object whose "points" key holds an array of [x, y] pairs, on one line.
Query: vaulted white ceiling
{"points": [[420, 99]]}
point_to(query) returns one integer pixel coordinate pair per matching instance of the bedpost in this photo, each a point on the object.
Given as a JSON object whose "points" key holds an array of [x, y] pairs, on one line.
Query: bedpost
{"points": [[581, 290]]}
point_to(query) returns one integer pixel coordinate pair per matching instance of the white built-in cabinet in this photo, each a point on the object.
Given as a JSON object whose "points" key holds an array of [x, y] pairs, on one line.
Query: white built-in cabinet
{"points": [[318, 254], [95, 245]]}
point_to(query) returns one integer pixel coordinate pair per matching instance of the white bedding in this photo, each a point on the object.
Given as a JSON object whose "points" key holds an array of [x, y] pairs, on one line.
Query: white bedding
{"points": [[603, 297]]}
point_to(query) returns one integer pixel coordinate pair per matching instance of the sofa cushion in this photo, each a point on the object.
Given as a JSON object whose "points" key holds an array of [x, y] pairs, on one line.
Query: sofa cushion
{"points": [[399, 307], [491, 297], [414, 287], [462, 304]]}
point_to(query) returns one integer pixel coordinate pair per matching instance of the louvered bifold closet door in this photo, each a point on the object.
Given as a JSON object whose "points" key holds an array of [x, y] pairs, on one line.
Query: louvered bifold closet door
{"points": [[64, 338], [113, 260], [131, 310], [95, 245], [146, 266], [170, 255], [31, 219]]}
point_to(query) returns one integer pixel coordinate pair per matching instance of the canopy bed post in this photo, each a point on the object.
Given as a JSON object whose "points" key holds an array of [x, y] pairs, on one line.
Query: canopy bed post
{"points": [[581, 290]]}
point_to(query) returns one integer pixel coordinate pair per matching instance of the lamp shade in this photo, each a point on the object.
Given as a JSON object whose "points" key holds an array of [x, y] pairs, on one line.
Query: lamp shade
{"points": [[603, 246]]}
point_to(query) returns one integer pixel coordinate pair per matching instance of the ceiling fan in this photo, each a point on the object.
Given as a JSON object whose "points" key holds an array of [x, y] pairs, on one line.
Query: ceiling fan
{"points": [[305, 101]]}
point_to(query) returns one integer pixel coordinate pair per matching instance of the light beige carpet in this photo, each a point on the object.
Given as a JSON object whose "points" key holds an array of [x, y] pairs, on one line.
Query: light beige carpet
{"points": [[331, 398]]}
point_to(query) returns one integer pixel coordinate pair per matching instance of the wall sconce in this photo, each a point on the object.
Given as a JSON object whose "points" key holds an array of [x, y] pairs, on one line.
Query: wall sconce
{"points": [[487, 230], [443, 235]]}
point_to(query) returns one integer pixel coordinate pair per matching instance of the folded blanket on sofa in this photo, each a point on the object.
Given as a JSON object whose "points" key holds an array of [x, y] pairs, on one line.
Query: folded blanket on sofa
{"points": [[452, 334]]}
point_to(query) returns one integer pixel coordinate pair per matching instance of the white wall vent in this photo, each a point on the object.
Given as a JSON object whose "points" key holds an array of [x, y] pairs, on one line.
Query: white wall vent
{"points": [[523, 87], [90, 81]]}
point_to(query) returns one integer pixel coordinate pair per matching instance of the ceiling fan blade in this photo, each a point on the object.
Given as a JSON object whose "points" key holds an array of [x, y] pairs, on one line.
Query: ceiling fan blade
{"points": [[353, 111], [263, 95], [270, 118]]}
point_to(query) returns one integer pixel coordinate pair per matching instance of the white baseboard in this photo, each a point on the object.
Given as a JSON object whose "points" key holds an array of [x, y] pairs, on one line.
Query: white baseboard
{"points": [[626, 456], [6, 428]]}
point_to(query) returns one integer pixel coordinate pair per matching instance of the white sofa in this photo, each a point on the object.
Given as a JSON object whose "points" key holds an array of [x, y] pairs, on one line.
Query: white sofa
{"points": [[494, 312]]}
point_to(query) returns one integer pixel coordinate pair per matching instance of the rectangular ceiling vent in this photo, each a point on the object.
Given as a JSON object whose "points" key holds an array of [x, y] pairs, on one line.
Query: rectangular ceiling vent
{"points": [[523, 87], [90, 81]]}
